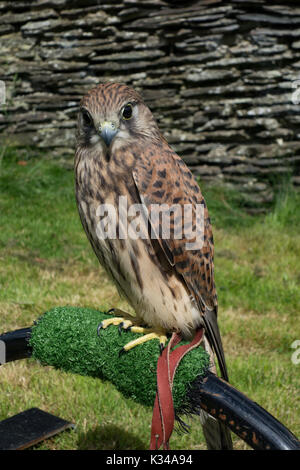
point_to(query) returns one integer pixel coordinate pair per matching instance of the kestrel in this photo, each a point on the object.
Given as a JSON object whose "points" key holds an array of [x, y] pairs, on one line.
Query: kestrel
{"points": [[167, 277]]}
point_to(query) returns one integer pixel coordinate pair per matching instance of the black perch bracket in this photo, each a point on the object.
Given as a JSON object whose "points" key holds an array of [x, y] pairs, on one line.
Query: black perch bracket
{"points": [[252, 423]]}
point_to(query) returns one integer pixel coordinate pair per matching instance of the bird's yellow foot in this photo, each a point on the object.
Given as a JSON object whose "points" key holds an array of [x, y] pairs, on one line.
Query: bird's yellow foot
{"points": [[124, 320], [148, 334], [127, 323]]}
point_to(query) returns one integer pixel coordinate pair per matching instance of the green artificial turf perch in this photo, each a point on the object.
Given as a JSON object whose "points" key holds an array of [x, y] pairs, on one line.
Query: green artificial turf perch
{"points": [[66, 338]]}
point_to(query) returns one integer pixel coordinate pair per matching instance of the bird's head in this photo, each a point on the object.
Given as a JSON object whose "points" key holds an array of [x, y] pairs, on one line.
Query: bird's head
{"points": [[112, 114]]}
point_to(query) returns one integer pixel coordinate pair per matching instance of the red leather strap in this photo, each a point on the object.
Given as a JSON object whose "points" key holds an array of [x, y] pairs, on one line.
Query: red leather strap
{"points": [[163, 411]]}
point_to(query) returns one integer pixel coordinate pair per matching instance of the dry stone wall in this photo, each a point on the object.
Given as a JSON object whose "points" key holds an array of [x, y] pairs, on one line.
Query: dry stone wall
{"points": [[221, 77]]}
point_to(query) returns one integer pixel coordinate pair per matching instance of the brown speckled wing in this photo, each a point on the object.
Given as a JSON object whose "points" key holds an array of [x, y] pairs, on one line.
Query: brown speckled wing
{"points": [[162, 177]]}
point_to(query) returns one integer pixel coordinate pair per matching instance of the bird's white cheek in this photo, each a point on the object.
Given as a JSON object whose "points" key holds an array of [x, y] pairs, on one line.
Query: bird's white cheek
{"points": [[123, 134], [119, 140], [98, 143], [95, 138]]}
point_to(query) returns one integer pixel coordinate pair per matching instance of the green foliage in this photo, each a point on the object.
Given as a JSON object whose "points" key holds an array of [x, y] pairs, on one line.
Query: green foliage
{"points": [[32, 176], [286, 214], [226, 207], [38, 204]]}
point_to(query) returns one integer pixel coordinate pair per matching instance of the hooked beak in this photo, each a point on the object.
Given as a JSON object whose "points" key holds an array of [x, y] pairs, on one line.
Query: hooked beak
{"points": [[107, 131]]}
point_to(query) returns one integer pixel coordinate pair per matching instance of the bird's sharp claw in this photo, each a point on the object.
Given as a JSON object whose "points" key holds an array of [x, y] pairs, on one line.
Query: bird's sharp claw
{"points": [[100, 326], [121, 352], [120, 327]]}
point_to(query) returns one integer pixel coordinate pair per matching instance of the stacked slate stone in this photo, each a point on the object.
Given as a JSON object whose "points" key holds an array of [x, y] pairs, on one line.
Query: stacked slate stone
{"points": [[221, 77]]}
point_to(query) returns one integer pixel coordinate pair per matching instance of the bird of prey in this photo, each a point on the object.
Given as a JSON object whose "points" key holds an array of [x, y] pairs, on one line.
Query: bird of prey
{"points": [[167, 279]]}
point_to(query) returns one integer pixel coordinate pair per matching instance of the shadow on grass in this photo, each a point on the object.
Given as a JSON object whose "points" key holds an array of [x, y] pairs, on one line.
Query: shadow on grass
{"points": [[110, 437]]}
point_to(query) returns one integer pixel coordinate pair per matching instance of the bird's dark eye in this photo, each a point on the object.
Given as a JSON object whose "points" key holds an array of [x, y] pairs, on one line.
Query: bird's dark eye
{"points": [[86, 118], [127, 111]]}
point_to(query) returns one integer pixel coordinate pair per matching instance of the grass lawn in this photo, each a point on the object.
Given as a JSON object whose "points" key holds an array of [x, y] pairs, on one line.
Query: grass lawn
{"points": [[46, 261]]}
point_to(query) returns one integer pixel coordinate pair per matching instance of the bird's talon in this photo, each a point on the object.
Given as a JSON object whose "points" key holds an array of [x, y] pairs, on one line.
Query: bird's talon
{"points": [[121, 352], [100, 326], [120, 327], [126, 327], [161, 348], [110, 311]]}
